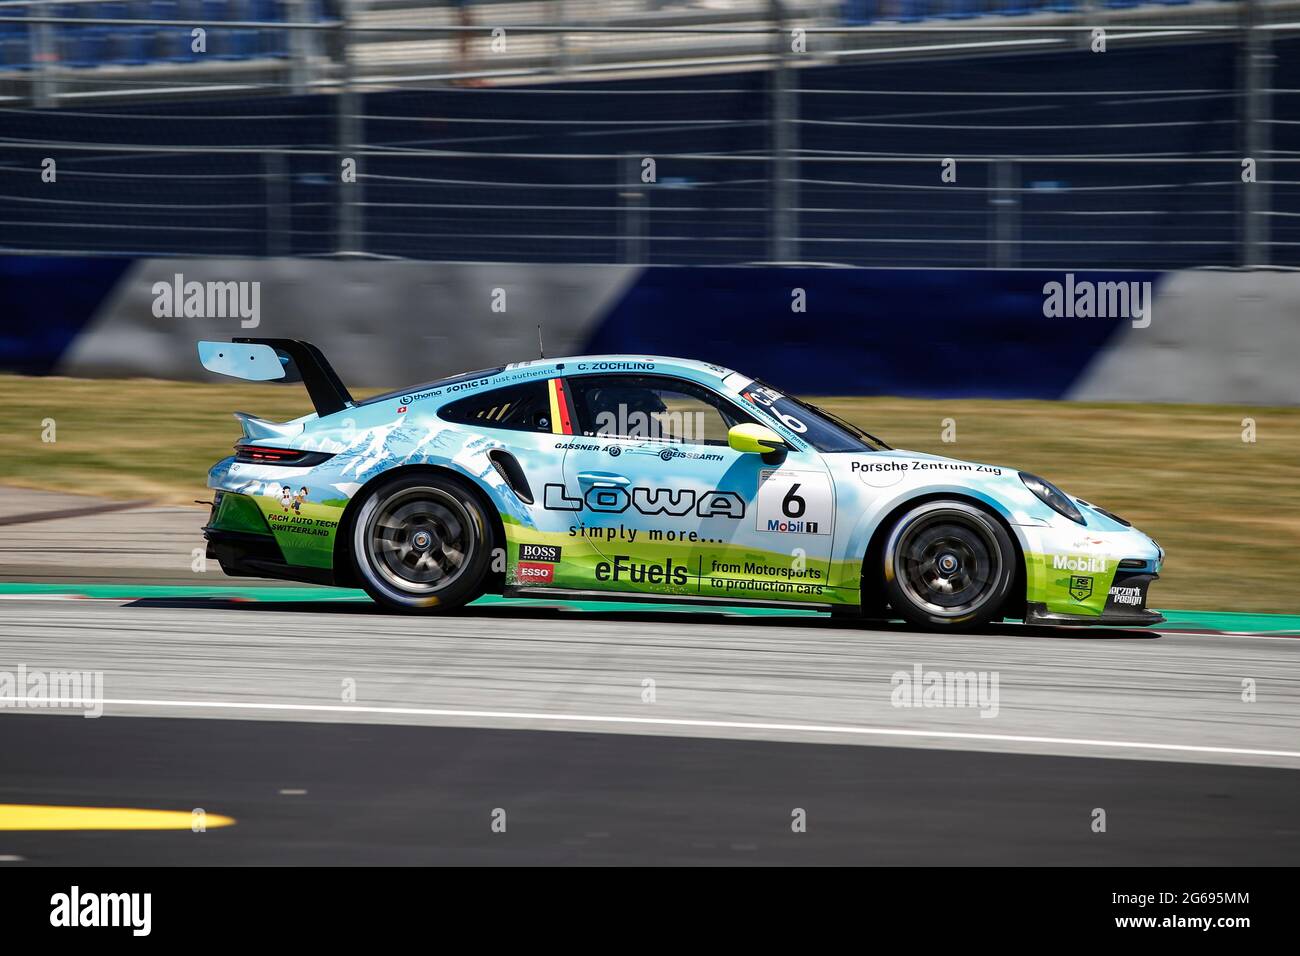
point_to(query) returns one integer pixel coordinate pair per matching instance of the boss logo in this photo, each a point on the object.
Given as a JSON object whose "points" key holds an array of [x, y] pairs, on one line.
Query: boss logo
{"points": [[539, 552]]}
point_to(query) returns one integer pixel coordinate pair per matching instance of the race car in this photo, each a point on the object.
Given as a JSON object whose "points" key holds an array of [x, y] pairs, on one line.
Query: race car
{"points": [[650, 479]]}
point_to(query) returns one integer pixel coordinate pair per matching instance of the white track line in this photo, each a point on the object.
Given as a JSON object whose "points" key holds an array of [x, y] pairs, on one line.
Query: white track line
{"points": [[43, 702]]}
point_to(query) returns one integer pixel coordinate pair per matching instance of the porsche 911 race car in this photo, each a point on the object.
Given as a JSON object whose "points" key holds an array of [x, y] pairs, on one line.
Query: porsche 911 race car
{"points": [[647, 478]]}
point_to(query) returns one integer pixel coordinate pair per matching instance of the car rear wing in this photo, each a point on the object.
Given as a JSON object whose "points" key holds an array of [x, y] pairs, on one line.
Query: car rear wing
{"points": [[279, 360]]}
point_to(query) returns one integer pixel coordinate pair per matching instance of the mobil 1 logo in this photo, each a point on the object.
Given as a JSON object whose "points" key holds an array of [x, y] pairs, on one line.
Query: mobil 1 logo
{"points": [[795, 502]]}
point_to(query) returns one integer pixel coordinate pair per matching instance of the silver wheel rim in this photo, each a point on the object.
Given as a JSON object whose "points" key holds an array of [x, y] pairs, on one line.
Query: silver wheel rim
{"points": [[948, 563], [419, 540]]}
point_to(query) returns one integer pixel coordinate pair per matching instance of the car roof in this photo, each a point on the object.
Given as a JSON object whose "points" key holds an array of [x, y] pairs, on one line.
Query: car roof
{"points": [[693, 369], [589, 364]]}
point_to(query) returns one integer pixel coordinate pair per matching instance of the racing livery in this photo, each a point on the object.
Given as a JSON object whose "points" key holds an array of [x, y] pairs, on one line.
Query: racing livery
{"points": [[647, 478]]}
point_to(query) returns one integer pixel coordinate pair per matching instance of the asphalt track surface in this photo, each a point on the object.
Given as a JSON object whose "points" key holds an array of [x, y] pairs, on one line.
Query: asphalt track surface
{"points": [[317, 794], [545, 714]]}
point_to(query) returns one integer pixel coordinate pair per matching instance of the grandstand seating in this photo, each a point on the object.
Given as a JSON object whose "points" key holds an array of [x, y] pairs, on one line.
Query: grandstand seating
{"points": [[86, 46], [94, 45]]}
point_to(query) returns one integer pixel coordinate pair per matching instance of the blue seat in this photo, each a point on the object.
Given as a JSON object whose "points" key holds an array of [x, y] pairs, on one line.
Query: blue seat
{"points": [[213, 15], [242, 43], [15, 54], [171, 43], [273, 43], [910, 11], [855, 12], [15, 43], [140, 43], [961, 9], [117, 38], [79, 44]]}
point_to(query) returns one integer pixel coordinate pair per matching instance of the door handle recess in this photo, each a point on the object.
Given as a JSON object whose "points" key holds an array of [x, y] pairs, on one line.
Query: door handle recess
{"points": [[602, 478]]}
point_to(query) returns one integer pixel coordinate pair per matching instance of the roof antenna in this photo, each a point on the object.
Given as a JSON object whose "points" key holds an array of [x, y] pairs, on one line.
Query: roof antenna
{"points": [[541, 353]]}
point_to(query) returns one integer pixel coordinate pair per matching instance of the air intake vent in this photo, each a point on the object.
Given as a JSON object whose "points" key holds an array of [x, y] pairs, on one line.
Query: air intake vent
{"points": [[1112, 516], [508, 468]]}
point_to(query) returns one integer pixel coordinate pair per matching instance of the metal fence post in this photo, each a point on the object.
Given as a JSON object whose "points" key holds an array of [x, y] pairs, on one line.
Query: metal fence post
{"points": [[302, 47], [349, 225], [783, 202], [44, 86], [1256, 69], [275, 195], [632, 211], [1006, 215]]}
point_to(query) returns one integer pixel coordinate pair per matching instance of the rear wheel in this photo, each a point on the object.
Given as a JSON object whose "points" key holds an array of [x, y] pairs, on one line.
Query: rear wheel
{"points": [[948, 564], [421, 544]]}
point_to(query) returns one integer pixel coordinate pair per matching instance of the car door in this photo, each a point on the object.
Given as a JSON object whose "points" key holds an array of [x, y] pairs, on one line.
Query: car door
{"points": [[517, 428], [669, 508]]}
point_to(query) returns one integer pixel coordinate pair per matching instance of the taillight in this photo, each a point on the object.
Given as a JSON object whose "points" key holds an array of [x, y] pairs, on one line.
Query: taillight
{"points": [[261, 455]]}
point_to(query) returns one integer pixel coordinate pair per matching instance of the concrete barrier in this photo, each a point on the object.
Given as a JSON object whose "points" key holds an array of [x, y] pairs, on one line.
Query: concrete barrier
{"points": [[1211, 336]]}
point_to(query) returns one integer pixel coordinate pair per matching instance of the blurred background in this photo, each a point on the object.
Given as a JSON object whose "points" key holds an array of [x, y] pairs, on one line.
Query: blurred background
{"points": [[859, 200], [491, 130]]}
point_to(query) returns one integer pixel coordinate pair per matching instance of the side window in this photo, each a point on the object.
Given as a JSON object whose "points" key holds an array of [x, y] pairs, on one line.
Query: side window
{"points": [[653, 408], [520, 408]]}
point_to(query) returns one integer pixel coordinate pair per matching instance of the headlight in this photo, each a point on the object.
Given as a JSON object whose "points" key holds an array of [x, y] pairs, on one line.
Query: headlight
{"points": [[1052, 496]]}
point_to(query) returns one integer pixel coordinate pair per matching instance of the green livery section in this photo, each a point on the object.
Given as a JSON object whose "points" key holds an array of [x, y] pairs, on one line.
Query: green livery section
{"points": [[304, 531], [1080, 590], [648, 564]]}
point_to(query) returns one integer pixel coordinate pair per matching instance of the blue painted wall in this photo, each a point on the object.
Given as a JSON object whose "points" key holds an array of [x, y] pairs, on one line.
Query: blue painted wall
{"points": [[918, 332]]}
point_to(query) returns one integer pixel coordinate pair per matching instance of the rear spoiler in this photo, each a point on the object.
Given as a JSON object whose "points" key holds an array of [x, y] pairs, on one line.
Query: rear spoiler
{"points": [[285, 360]]}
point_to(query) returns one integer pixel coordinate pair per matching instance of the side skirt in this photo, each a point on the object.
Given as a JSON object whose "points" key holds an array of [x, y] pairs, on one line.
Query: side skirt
{"points": [[562, 594]]}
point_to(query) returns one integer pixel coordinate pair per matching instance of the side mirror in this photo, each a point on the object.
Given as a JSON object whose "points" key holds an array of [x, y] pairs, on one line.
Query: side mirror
{"points": [[253, 363], [755, 439]]}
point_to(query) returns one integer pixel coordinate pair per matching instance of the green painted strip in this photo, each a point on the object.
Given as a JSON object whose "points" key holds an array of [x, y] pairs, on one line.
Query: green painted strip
{"points": [[1228, 621], [128, 592], [1234, 621]]}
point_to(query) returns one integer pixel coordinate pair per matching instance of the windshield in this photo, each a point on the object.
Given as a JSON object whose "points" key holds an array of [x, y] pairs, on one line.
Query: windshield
{"points": [[824, 431]]}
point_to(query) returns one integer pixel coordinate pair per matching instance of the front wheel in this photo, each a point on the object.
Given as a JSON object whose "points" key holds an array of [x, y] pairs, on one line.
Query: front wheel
{"points": [[949, 565], [421, 544]]}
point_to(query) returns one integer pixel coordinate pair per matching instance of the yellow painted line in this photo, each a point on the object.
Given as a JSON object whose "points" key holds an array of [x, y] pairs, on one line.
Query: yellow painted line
{"points": [[17, 816]]}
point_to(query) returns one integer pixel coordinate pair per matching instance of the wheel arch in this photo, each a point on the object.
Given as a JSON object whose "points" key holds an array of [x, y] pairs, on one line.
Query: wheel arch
{"points": [[872, 584], [343, 573]]}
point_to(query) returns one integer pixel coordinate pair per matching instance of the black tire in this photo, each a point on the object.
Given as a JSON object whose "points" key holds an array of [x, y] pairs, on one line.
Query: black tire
{"points": [[421, 544], [949, 565]]}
